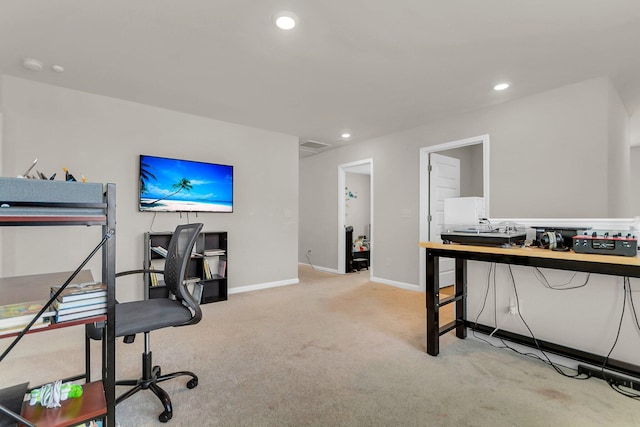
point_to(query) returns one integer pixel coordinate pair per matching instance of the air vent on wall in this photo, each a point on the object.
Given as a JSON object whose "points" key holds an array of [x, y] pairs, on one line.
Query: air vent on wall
{"points": [[314, 145]]}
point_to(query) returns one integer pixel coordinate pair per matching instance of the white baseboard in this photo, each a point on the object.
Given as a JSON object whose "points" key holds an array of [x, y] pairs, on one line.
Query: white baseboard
{"points": [[401, 285], [319, 268], [259, 286]]}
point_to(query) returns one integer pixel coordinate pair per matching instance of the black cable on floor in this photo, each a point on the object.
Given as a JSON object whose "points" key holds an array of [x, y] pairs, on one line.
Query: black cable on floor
{"points": [[610, 381], [577, 375], [545, 360]]}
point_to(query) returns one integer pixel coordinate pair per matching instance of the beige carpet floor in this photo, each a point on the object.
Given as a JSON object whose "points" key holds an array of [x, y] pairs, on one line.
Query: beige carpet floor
{"points": [[343, 351]]}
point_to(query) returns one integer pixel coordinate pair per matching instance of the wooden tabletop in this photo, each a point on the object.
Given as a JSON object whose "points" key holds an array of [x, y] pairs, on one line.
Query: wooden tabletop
{"points": [[535, 252], [35, 287]]}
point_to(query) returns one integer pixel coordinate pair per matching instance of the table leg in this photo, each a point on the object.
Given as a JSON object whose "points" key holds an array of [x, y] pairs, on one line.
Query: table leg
{"points": [[432, 300], [461, 290]]}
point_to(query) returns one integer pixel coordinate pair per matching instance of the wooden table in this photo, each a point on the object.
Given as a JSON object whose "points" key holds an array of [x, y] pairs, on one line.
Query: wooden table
{"points": [[533, 257]]}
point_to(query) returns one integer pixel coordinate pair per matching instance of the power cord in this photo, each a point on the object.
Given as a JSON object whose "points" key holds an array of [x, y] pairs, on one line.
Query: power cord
{"points": [[612, 382], [577, 375], [628, 293], [545, 360], [152, 221], [633, 306], [492, 273], [309, 260], [542, 279]]}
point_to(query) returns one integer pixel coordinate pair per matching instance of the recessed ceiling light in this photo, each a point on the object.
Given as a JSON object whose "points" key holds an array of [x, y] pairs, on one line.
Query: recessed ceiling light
{"points": [[32, 64], [285, 20], [345, 135], [501, 86]]}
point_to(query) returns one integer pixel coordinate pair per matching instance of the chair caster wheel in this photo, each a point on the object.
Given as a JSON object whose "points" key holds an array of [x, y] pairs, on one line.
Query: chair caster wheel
{"points": [[192, 383], [165, 416]]}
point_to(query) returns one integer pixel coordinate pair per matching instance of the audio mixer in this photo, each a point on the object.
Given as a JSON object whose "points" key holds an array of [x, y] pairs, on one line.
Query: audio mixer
{"points": [[606, 244]]}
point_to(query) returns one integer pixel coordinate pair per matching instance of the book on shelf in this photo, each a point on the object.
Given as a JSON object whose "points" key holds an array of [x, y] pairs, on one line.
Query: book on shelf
{"points": [[79, 291], [215, 269], [153, 278], [80, 314], [213, 252], [207, 269], [76, 309], [41, 323], [59, 305], [222, 268], [159, 250], [12, 315]]}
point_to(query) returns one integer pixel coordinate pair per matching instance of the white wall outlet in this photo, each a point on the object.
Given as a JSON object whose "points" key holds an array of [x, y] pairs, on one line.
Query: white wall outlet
{"points": [[515, 306]]}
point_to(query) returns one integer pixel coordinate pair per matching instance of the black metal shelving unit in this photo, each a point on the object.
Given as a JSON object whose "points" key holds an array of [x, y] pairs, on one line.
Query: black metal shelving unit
{"points": [[28, 203]]}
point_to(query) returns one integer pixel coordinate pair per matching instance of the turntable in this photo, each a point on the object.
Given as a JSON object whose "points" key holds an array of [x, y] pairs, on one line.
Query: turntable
{"points": [[504, 235]]}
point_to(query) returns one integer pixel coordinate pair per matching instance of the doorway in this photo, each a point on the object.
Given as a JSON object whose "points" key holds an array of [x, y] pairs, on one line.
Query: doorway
{"points": [[476, 152], [444, 183], [355, 204]]}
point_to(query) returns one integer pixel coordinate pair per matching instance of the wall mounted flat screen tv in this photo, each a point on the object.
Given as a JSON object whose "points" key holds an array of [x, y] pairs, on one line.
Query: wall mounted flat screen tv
{"points": [[174, 185]]}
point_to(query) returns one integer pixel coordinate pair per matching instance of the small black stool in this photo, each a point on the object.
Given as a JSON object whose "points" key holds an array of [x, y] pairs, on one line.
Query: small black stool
{"points": [[360, 263]]}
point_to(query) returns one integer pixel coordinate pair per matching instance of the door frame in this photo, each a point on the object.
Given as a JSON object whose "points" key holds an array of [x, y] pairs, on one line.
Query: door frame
{"points": [[342, 170], [424, 188]]}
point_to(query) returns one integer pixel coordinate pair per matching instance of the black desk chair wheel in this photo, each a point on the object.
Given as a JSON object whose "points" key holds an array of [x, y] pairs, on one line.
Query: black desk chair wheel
{"points": [[180, 309]]}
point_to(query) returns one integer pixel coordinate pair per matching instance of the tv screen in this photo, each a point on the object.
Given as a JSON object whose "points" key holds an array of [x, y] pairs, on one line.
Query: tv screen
{"points": [[174, 185]]}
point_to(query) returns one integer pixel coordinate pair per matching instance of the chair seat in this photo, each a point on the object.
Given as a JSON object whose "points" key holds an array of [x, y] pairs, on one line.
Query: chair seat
{"points": [[148, 315]]}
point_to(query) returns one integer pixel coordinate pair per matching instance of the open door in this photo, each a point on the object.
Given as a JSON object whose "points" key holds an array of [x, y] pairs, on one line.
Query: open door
{"points": [[362, 167], [444, 183]]}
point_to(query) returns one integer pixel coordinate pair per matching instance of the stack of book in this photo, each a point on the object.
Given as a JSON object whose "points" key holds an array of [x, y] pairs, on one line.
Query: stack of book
{"points": [[79, 301], [207, 269], [159, 250], [153, 278], [214, 269], [15, 317]]}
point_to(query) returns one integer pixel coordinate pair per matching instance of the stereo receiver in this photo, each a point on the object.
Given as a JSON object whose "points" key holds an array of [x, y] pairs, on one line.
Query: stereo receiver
{"points": [[606, 245]]}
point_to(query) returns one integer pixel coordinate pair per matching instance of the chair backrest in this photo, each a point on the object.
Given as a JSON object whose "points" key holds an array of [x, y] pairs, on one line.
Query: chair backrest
{"points": [[175, 266]]}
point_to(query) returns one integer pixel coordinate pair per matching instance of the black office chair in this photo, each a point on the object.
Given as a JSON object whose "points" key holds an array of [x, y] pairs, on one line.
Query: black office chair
{"points": [[179, 309]]}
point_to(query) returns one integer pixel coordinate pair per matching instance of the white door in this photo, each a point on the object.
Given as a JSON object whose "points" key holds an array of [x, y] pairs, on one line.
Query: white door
{"points": [[444, 183]]}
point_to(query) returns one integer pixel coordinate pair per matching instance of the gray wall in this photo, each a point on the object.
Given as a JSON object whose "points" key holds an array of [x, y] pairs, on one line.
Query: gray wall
{"points": [[634, 186], [536, 143], [358, 209], [101, 138], [619, 156]]}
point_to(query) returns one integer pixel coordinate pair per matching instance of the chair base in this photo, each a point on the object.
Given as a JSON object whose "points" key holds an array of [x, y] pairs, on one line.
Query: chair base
{"points": [[151, 376]]}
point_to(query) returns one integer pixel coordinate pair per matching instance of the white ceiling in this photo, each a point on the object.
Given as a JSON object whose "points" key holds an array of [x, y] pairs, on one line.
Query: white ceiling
{"points": [[370, 66]]}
